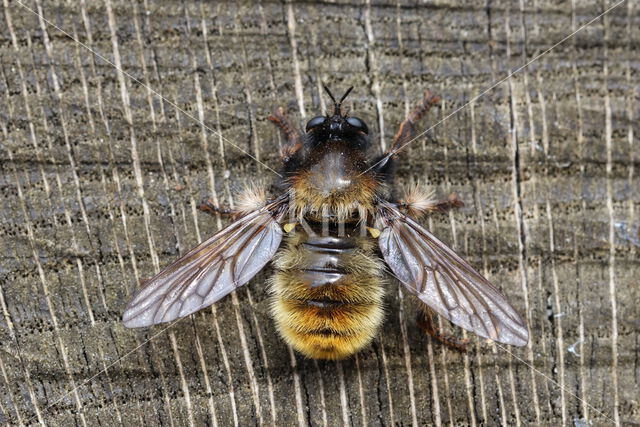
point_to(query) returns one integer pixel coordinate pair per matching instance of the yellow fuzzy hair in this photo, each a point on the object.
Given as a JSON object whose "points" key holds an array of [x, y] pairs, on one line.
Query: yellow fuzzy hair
{"points": [[251, 198], [418, 200], [328, 332], [358, 197]]}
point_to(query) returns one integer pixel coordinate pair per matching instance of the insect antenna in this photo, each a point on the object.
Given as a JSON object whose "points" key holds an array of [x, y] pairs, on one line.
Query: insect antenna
{"points": [[329, 93], [337, 104], [345, 94]]}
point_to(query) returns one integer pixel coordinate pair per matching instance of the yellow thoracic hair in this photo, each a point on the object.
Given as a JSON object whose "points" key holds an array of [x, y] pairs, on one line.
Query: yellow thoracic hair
{"points": [[307, 200]]}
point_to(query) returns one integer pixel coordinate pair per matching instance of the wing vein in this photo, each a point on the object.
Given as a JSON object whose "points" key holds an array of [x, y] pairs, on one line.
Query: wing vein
{"points": [[444, 281], [211, 270]]}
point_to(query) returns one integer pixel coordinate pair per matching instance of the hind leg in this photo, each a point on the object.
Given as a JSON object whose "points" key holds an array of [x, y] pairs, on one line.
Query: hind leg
{"points": [[289, 131], [427, 321]]}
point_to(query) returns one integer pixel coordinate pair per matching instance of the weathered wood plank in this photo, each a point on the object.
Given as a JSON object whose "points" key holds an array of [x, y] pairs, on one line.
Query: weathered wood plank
{"points": [[101, 172]]}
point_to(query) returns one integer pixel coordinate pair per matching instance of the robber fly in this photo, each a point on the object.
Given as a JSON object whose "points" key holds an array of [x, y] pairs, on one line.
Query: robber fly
{"points": [[336, 216]]}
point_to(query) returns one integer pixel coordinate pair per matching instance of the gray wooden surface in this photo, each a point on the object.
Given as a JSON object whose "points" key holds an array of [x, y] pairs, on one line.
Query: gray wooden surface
{"points": [[101, 171]]}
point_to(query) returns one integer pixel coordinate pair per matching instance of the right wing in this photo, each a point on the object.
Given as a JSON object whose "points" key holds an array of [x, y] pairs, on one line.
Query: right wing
{"points": [[210, 271], [445, 282]]}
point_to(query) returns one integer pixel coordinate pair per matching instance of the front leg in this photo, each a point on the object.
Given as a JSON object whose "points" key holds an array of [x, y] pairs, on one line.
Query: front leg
{"points": [[290, 132], [407, 130], [383, 166]]}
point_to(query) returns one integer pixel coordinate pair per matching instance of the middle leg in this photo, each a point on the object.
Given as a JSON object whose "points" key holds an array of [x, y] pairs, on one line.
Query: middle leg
{"points": [[209, 207], [417, 202]]}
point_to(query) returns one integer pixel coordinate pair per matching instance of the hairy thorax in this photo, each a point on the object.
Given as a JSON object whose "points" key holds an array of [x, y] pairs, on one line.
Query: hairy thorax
{"points": [[335, 187]]}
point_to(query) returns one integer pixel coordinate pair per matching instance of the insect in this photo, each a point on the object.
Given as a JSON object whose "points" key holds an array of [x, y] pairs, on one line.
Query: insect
{"points": [[332, 233]]}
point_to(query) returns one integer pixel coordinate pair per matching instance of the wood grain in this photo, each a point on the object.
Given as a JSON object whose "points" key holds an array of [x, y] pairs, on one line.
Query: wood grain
{"points": [[104, 163]]}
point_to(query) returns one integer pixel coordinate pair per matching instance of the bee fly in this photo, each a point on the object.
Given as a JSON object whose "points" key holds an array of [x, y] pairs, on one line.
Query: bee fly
{"points": [[337, 217]]}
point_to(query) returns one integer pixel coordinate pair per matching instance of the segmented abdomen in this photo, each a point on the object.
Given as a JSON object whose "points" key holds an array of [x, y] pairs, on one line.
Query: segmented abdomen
{"points": [[327, 295]]}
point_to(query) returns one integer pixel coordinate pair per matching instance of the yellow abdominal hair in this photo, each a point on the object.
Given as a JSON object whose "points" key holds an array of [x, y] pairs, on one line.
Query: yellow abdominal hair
{"points": [[334, 331]]}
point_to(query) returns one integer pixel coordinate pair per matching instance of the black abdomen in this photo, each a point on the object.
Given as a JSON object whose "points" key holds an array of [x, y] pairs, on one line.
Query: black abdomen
{"points": [[326, 262]]}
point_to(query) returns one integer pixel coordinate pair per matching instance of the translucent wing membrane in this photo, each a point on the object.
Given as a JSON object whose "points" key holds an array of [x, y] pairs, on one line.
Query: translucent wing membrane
{"points": [[208, 272], [445, 282]]}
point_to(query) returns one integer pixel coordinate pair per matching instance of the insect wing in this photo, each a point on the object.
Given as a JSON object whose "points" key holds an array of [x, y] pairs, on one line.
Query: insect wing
{"points": [[208, 272], [447, 283]]}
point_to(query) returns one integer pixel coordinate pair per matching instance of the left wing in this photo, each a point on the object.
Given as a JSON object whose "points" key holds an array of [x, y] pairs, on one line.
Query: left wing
{"points": [[210, 271], [446, 282]]}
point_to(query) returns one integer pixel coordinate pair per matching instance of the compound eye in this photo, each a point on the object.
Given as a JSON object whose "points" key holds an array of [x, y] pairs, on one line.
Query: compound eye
{"points": [[316, 121], [358, 124]]}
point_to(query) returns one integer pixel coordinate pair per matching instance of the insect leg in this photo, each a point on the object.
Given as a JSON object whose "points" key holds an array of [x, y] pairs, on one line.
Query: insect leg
{"points": [[384, 165], [290, 132], [407, 130], [208, 207], [426, 320], [417, 203], [451, 202]]}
